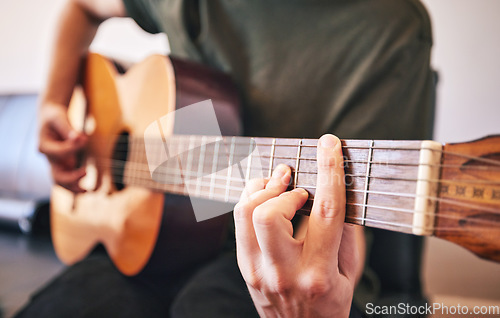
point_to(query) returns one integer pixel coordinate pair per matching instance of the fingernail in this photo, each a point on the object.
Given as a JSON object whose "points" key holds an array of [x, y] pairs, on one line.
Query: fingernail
{"points": [[280, 171], [327, 141]]}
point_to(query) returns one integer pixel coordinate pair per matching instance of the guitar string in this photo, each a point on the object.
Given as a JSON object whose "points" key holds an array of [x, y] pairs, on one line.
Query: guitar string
{"points": [[142, 167], [371, 162], [401, 224], [294, 145], [495, 162], [232, 144], [453, 153], [455, 203], [487, 223], [373, 220], [167, 173], [474, 167], [395, 224]]}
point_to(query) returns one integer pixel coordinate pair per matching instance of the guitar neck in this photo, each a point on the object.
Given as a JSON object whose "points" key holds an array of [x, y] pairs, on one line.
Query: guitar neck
{"points": [[389, 184]]}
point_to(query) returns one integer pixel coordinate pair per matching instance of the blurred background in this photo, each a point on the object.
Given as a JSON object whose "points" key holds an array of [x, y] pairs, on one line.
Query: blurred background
{"points": [[466, 56]]}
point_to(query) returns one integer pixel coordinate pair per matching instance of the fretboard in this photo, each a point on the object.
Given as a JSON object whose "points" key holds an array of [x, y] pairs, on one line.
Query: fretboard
{"points": [[389, 184]]}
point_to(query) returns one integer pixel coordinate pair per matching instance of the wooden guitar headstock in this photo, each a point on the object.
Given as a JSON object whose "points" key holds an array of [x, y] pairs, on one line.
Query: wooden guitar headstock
{"points": [[468, 212]]}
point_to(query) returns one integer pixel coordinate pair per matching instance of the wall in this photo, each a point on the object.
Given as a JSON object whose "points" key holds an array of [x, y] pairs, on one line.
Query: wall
{"points": [[26, 34], [467, 56]]}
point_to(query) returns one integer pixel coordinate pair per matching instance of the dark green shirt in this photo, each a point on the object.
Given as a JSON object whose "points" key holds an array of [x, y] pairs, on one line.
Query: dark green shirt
{"points": [[357, 68]]}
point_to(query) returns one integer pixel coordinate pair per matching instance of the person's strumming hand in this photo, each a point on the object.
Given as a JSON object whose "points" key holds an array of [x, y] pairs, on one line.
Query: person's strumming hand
{"points": [[78, 21], [309, 277], [61, 143]]}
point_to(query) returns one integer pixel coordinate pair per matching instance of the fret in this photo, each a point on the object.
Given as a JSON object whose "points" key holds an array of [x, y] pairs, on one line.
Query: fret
{"points": [[200, 166], [136, 174], [297, 163], [249, 164], [367, 181], [173, 151], [173, 154], [271, 158], [128, 173], [189, 160], [130, 167], [285, 152], [229, 170], [215, 159]]}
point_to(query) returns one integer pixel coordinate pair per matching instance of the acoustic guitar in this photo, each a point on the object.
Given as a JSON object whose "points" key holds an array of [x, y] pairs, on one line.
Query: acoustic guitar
{"points": [[417, 187]]}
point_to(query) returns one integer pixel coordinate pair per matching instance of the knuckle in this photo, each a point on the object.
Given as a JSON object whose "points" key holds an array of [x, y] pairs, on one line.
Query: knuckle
{"points": [[249, 271], [253, 280], [255, 183], [315, 284], [269, 193], [279, 284], [264, 216], [282, 287], [326, 208], [241, 211]]}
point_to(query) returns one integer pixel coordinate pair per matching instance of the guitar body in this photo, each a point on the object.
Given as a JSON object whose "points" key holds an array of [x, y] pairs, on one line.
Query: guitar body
{"points": [[137, 226]]}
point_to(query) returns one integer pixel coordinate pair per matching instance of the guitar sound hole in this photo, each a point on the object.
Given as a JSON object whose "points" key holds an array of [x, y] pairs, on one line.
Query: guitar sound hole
{"points": [[119, 159]]}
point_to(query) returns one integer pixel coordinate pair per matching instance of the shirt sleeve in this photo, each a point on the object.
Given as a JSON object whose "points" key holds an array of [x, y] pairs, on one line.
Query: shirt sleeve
{"points": [[139, 11]]}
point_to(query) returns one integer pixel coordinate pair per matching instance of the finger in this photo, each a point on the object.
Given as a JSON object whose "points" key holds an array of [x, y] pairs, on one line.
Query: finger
{"points": [[257, 191], [257, 195], [352, 252], [280, 179], [246, 242], [253, 186], [68, 179], [328, 212], [56, 150], [273, 226]]}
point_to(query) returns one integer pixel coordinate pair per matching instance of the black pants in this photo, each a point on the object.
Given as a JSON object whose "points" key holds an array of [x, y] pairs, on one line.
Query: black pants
{"points": [[94, 288]]}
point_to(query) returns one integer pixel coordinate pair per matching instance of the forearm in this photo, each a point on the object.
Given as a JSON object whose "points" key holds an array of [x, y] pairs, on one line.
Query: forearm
{"points": [[76, 29], [75, 32]]}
